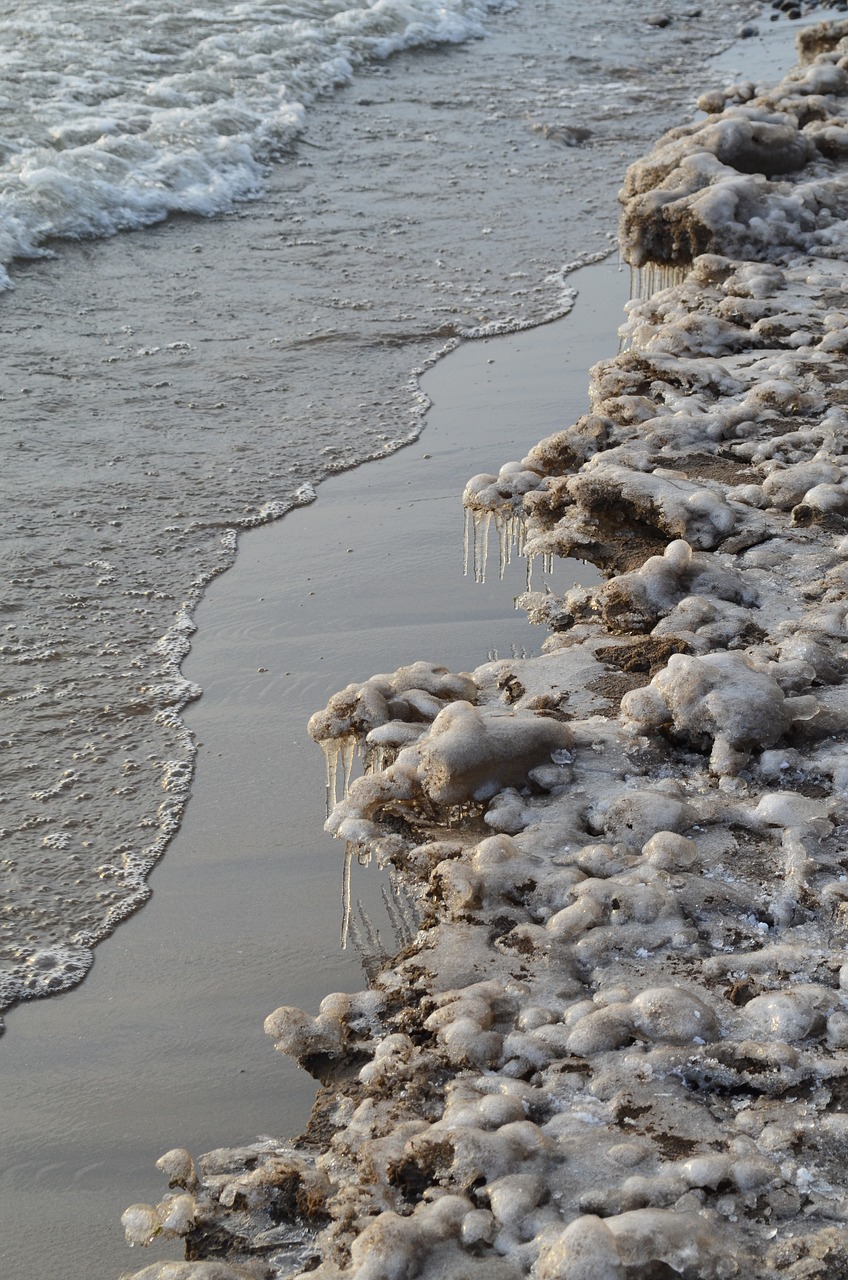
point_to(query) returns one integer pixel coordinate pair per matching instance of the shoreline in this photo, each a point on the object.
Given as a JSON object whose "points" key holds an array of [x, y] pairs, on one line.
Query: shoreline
{"points": [[652, 892], [71, 1024], [196, 419], [187, 1059]]}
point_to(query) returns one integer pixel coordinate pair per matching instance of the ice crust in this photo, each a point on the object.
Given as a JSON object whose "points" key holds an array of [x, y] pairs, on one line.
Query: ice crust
{"points": [[617, 1048]]}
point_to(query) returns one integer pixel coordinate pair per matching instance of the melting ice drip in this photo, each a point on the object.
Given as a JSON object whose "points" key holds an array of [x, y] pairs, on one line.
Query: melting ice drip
{"points": [[509, 526]]}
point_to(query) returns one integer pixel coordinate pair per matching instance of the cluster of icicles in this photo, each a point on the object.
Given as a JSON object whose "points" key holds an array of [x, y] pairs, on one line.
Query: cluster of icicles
{"points": [[498, 500], [374, 720]]}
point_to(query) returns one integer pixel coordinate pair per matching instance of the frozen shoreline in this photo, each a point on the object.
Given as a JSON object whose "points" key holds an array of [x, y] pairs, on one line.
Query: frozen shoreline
{"points": [[216, 371], [619, 1041], [174, 1019]]}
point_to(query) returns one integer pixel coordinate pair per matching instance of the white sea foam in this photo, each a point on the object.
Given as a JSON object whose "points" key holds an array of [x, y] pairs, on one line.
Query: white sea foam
{"points": [[114, 119]]}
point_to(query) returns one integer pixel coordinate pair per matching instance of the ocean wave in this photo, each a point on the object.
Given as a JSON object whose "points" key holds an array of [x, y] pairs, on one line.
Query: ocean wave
{"points": [[114, 121]]}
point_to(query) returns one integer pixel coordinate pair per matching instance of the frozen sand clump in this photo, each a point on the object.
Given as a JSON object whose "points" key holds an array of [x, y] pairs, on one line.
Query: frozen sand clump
{"points": [[617, 1048]]}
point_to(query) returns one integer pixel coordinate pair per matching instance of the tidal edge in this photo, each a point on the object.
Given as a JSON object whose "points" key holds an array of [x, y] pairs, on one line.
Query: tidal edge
{"points": [[617, 1048]]}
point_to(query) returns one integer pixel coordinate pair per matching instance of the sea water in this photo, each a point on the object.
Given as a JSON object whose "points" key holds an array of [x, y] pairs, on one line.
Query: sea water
{"points": [[167, 388]]}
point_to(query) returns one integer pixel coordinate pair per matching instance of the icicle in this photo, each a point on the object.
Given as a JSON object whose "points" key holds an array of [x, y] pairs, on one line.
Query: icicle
{"points": [[348, 858], [338, 749], [481, 522], [330, 747], [348, 749], [504, 543], [476, 542], [511, 536], [511, 532]]}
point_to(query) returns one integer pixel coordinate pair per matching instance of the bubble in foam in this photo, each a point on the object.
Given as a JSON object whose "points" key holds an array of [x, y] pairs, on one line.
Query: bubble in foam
{"points": [[52, 969]]}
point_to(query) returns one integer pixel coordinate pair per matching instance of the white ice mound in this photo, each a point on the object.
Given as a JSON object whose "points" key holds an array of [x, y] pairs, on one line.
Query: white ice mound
{"points": [[332, 1036], [173, 1217], [643, 1242], [415, 692], [720, 702], [381, 715], [636, 601], [467, 755]]}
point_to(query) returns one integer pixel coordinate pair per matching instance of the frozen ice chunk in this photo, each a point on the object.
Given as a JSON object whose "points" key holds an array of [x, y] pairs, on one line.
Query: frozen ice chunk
{"points": [[141, 1224], [673, 505], [787, 487], [468, 754], [635, 816], [785, 1016], [585, 1250], [636, 601], [673, 1016], [178, 1167], [721, 701], [361, 707], [472, 752], [299, 1036], [669, 851], [687, 1243], [177, 1215]]}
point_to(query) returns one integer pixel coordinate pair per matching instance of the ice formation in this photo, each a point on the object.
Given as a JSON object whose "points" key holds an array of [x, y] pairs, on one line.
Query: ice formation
{"points": [[617, 1048]]}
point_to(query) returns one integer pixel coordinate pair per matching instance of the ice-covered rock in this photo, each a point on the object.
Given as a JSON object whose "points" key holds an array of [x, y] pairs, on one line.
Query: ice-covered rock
{"points": [[720, 702]]}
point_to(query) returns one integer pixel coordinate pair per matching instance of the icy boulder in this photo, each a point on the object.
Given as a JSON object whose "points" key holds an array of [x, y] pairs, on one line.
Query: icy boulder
{"points": [[636, 601], [467, 755], [660, 499], [720, 702]]}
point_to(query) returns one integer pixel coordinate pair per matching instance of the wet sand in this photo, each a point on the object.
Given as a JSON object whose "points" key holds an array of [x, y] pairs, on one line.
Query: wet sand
{"points": [[163, 1042]]}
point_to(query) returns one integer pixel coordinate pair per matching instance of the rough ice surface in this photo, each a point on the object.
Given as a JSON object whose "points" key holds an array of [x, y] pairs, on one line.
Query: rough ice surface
{"points": [[617, 1048]]}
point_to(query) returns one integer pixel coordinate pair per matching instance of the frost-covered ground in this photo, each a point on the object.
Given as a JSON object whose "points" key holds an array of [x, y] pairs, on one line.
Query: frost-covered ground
{"points": [[618, 1047]]}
